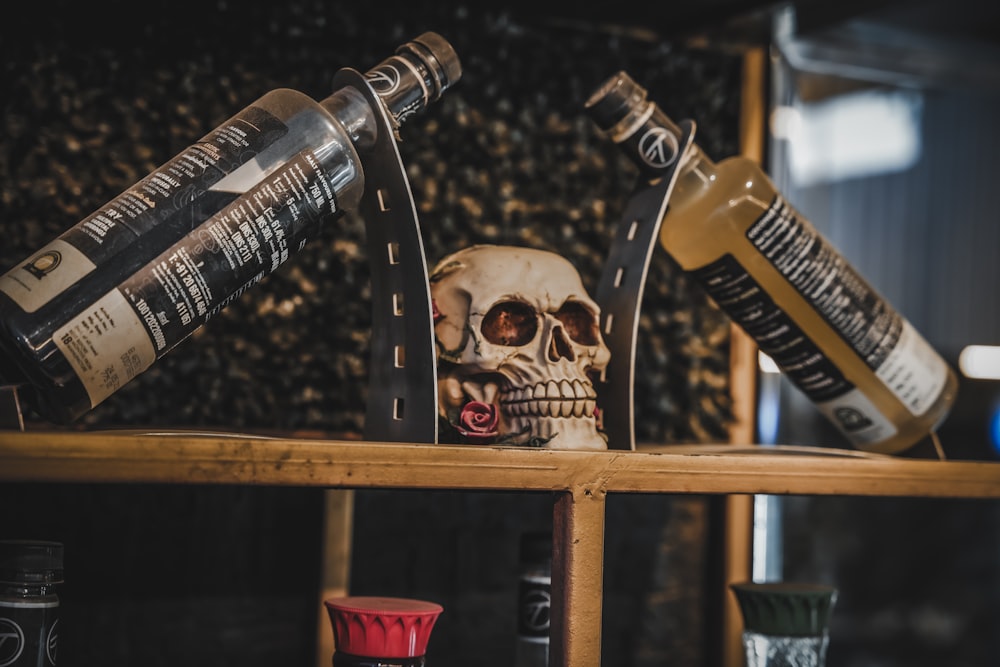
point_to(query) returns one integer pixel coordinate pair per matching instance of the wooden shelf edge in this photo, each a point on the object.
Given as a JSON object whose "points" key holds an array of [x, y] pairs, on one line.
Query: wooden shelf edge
{"points": [[218, 458]]}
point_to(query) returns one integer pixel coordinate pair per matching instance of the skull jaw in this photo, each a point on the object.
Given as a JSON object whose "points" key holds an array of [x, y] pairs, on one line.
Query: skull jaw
{"points": [[577, 433], [457, 386]]}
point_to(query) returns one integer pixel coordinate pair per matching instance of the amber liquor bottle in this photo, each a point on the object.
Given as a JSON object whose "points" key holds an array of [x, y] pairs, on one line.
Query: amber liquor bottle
{"points": [[841, 343]]}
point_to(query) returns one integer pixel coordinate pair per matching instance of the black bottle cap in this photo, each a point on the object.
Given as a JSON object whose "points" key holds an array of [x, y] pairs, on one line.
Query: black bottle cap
{"points": [[31, 562], [439, 56], [614, 100]]}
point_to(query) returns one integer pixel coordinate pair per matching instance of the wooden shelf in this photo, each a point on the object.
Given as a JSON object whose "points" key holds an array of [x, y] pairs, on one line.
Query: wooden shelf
{"points": [[582, 480], [183, 457]]}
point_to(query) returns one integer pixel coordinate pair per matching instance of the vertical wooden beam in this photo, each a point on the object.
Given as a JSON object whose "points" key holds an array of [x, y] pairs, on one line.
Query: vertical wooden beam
{"points": [[335, 567], [577, 578], [739, 516], [753, 104]]}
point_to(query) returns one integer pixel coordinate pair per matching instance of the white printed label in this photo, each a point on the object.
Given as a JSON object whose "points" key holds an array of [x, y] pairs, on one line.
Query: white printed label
{"points": [[44, 275], [107, 345], [858, 418], [914, 372]]}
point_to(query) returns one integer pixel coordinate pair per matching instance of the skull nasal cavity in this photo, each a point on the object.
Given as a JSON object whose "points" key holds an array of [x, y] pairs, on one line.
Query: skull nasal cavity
{"points": [[560, 348], [511, 323]]}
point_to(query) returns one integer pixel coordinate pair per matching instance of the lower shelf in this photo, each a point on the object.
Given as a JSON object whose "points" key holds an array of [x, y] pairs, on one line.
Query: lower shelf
{"points": [[187, 457], [581, 481]]}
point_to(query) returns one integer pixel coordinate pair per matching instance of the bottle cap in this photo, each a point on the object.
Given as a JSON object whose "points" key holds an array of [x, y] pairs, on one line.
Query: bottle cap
{"points": [[382, 627], [31, 562], [439, 56], [615, 100], [621, 110], [785, 609]]}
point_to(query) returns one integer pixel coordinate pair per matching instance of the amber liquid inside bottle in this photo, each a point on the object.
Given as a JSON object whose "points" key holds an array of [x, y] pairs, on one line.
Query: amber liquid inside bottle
{"points": [[863, 365], [174, 250], [714, 212]]}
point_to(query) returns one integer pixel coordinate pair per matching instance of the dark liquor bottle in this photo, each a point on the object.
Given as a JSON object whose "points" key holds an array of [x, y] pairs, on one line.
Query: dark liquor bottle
{"points": [[30, 572], [534, 600], [842, 344], [102, 302]]}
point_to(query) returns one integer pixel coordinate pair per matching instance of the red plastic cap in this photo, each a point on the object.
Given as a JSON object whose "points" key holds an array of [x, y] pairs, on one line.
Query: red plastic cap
{"points": [[376, 627]]}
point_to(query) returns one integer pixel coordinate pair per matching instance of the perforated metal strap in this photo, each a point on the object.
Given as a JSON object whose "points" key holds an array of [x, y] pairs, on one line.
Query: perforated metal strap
{"points": [[619, 294], [402, 395]]}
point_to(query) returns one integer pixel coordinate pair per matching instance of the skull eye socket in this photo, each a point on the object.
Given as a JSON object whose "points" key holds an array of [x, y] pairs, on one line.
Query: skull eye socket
{"points": [[510, 323], [580, 323]]}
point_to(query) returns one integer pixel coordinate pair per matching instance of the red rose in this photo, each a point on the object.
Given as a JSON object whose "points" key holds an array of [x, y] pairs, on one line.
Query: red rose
{"points": [[478, 421]]}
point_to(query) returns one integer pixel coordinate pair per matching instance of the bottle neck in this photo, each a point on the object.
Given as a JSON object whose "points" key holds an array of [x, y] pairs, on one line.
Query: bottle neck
{"points": [[405, 83], [653, 143], [622, 110]]}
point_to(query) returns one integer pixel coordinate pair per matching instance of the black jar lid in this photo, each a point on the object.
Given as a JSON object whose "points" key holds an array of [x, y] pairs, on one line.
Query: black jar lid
{"points": [[615, 100], [31, 562]]}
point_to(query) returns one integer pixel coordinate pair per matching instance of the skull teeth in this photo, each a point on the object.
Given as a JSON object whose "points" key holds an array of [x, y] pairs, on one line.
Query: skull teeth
{"points": [[550, 399]]}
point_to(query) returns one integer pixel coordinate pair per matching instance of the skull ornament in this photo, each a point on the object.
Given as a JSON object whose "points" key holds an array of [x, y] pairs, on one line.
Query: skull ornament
{"points": [[517, 339]]}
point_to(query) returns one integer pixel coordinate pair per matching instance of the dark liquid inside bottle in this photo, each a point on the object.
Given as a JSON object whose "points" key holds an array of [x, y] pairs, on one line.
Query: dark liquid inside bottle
{"points": [[97, 306]]}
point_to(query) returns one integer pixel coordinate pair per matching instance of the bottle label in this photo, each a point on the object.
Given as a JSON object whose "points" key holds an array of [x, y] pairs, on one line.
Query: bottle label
{"points": [[109, 343], [914, 371], [880, 336], [170, 195], [776, 334], [165, 301], [534, 601], [858, 418], [818, 273], [746, 302], [28, 633], [883, 339], [45, 274]]}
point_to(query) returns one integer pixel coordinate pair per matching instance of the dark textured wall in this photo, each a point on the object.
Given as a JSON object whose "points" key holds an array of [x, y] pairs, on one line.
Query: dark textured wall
{"points": [[95, 96]]}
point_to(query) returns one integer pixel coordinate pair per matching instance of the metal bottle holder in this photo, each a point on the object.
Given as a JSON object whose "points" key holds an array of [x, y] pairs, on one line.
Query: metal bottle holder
{"points": [[402, 399], [619, 294]]}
